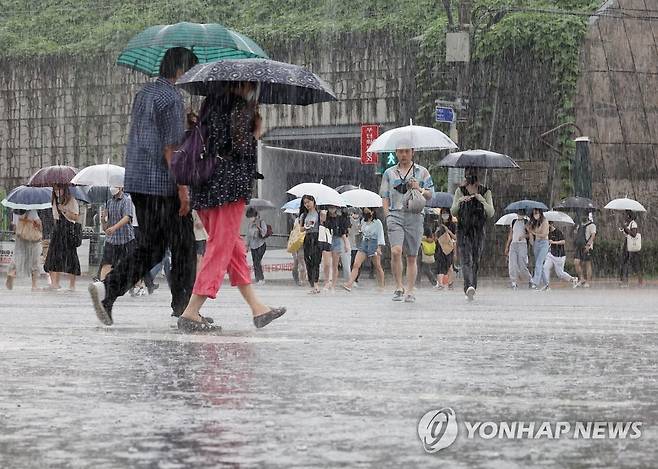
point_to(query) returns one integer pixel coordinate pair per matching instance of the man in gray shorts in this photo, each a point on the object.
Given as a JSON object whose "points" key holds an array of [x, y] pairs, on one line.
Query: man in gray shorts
{"points": [[405, 229]]}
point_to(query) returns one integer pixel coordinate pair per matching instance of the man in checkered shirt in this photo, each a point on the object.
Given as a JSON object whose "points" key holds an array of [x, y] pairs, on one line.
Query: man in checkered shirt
{"points": [[120, 238], [162, 208]]}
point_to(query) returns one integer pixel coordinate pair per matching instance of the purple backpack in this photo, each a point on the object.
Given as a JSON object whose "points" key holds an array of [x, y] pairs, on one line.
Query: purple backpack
{"points": [[190, 165]]}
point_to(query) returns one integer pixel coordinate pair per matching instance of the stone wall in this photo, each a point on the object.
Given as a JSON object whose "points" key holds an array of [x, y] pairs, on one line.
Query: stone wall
{"points": [[617, 106], [76, 111]]}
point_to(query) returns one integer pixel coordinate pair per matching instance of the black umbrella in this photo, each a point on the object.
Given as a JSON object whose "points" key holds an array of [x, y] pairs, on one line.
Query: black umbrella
{"points": [[477, 159], [576, 203], [345, 188], [280, 83], [261, 204], [441, 200], [526, 205]]}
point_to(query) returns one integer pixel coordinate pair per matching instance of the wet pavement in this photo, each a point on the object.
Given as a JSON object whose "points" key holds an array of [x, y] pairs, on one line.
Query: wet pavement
{"points": [[341, 380]]}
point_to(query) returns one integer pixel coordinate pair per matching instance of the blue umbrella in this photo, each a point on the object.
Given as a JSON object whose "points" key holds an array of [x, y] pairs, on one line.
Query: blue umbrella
{"points": [[80, 194], [526, 205], [441, 200], [292, 206], [29, 198]]}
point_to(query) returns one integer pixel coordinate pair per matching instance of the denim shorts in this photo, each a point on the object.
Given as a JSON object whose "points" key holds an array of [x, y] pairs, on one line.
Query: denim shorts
{"points": [[368, 247], [337, 244]]}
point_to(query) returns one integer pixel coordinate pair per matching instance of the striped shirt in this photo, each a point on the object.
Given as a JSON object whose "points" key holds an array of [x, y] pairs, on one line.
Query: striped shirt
{"points": [[157, 120]]}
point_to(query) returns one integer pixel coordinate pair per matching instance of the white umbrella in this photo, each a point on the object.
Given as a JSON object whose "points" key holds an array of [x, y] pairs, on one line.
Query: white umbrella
{"points": [[412, 136], [362, 198], [324, 195], [507, 220], [625, 204], [558, 217], [100, 175]]}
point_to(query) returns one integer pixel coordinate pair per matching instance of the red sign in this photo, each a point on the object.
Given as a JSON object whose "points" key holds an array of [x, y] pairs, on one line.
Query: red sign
{"points": [[368, 135]]}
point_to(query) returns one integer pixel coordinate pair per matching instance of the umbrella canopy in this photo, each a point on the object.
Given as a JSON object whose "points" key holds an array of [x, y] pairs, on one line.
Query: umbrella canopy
{"points": [[280, 82], [362, 198], [345, 188], [261, 204], [441, 200], [576, 203], [209, 42], [412, 136], [100, 175], [292, 206], [29, 198], [526, 205], [506, 220], [558, 217], [97, 194], [324, 195], [52, 175], [478, 159], [80, 194], [625, 204]]}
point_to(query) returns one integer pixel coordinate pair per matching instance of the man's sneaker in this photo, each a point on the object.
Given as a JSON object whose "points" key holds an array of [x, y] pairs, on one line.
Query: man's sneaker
{"points": [[410, 298], [260, 282], [470, 293], [153, 288], [586, 285], [574, 282], [514, 286], [103, 310], [545, 288], [398, 295]]}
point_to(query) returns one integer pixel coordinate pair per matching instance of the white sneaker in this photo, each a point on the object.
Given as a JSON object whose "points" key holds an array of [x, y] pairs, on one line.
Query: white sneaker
{"points": [[260, 282], [574, 282], [470, 293], [97, 292]]}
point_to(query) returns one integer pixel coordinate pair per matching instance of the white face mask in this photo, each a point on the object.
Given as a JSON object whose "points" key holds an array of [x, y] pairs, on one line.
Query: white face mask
{"points": [[536, 216], [114, 190], [445, 216]]}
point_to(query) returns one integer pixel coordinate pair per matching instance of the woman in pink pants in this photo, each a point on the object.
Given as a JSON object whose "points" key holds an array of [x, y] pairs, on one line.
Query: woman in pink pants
{"points": [[233, 125]]}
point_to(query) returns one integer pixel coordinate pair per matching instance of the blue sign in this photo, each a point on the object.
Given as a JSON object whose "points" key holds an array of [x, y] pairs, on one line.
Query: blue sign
{"points": [[445, 114]]}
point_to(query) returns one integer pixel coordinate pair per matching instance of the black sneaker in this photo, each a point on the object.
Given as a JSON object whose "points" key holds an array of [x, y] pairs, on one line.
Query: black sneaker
{"points": [[398, 295], [152, 288], [264, 319]]}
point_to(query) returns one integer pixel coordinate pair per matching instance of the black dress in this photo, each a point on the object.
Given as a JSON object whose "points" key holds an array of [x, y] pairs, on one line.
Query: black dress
{"points": [[62, 252]]}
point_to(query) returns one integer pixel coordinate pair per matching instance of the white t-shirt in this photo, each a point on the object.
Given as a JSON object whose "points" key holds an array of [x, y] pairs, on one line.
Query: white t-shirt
{"points": [[590, 231], [518, 230]]}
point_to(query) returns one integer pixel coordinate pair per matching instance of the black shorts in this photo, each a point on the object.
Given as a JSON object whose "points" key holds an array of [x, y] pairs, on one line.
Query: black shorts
{"points": [[112, 253], [200, 247], [325, 246], [583, 255]]}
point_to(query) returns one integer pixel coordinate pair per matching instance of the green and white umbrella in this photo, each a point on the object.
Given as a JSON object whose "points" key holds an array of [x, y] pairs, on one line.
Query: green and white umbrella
{"points": [[209, 42]]}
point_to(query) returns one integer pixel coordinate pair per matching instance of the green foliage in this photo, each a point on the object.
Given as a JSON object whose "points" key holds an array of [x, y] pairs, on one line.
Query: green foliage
{"points": [[606, 258], [81, 27]]}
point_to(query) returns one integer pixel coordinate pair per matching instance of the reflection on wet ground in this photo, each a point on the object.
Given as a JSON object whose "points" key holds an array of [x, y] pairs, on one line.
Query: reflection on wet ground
{"points": [[341, 380]]}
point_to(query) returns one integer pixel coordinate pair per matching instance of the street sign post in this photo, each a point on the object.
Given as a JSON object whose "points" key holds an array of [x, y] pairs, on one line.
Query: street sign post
{"points": [[445, 114], [368, 135]]}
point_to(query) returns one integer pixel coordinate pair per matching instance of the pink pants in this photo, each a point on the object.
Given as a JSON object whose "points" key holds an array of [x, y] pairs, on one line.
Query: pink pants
{"points": [[225, 250]]}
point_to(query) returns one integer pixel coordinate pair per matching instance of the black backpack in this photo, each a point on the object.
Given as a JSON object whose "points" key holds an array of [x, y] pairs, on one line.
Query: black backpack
{"points": [[472, 216], [581, 235]]}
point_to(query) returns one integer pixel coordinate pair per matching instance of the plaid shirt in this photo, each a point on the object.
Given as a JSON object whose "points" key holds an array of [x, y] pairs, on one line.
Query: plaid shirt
{"points": [[157, 120], [116, 210]]}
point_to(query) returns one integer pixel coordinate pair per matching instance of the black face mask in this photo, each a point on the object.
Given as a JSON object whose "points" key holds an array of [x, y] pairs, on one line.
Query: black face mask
{"points": [[472, 179]]}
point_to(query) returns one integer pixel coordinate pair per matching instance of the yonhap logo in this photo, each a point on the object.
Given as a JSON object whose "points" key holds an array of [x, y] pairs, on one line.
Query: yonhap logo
{"points": [[437, 429]]}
